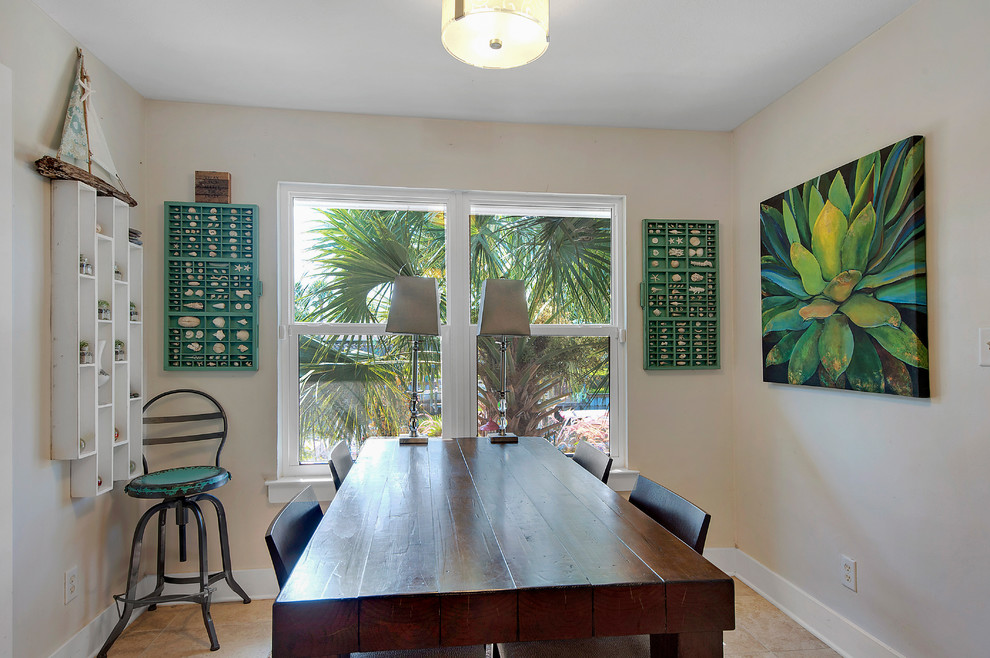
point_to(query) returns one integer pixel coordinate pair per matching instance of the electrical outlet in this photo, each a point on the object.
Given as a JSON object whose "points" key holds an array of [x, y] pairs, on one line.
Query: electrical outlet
{"points": [[984, 347], [848, 573], [71, 584]]}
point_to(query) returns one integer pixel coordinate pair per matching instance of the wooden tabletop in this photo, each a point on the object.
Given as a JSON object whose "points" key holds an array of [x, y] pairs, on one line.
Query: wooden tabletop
{"points": [[465, 542]]}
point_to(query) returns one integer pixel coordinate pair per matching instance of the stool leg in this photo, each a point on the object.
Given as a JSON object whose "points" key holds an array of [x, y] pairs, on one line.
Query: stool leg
{"points": [[225, 548], [204, 576], [160, 571], [132, 577]]}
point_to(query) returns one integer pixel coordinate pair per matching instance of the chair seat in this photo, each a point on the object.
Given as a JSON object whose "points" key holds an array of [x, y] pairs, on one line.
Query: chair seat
{"points": [[177, 482]]}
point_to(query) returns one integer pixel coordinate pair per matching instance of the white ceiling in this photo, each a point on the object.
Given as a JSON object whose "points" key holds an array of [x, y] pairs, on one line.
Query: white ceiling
{"points": [[681, 64]]}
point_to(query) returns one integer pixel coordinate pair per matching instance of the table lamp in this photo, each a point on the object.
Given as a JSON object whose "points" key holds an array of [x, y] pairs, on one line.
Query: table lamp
{"points": [[503, 312], [414, 311]]}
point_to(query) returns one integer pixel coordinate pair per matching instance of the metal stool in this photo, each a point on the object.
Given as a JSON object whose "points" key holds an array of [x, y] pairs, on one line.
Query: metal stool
{"points": [[181, 489]]}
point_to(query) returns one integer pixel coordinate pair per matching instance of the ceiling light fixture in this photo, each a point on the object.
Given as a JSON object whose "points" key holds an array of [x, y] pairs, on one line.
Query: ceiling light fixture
{"points": [[495, 34]]}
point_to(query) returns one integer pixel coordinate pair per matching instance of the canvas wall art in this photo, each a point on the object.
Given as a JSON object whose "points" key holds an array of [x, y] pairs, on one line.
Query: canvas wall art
{"points": [[844, 289]]}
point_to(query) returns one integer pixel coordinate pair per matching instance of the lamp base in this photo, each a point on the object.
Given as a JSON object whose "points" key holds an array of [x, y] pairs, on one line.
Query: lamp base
{"points": [[508, 437], [418, 440]]}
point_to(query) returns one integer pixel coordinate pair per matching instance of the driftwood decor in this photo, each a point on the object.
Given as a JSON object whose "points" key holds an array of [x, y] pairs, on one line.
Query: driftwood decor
{"points": [[49, 167]]}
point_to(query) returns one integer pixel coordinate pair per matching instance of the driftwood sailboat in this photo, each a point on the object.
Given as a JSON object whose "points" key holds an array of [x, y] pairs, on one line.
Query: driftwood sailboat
{"points": [[84, 145]]}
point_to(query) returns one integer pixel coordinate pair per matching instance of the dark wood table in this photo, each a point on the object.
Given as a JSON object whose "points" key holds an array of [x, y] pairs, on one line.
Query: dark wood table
{"points": [[464, 542]]}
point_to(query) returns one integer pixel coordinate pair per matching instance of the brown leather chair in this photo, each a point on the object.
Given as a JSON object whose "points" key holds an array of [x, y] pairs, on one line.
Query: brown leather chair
{"points": [[340, 462], [593, 460], [682, 518]]}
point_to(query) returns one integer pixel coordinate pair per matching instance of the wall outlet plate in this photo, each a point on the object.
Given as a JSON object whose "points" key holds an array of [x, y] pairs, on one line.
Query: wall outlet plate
{"points": [[984, 347], [71, 584], [848, 572]]}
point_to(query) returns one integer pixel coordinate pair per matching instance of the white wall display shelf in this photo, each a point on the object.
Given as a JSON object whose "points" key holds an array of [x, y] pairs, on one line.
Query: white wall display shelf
{"points": [[97, 300]]}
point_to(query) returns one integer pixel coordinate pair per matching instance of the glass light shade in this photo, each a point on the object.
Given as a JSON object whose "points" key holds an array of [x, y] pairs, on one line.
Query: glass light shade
{"points": [[495, 34]]}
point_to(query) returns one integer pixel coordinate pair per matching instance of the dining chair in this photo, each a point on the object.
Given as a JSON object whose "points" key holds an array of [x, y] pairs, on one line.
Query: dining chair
{"points": [[291, 530], [593, 460], [340, 462], [179, 416], [682, 518]]}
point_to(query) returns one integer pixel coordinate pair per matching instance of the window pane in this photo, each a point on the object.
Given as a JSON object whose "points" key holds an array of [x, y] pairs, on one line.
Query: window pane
{"points": [[557, 387], [345, 258], [565, 261], [353, 387]]}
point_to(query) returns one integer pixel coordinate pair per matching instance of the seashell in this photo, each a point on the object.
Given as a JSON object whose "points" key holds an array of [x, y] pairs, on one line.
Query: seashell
{"points": [[237, 306], [675, 277], [191, 209], [219, 322], [675, 263], [219, 305], [695, 241], [219, 348], [247, 306], [188, 293], [213, 210], [247, 212], [242, 321], [233, 211], [192, 223], [195, 347], [697, 277], [219, 335], [242, 293], [194, 305], [192, 253], [233, 234], [656, 311], [199, 293], [243, 348], [189, 333], [199, 334], [188, 321]]}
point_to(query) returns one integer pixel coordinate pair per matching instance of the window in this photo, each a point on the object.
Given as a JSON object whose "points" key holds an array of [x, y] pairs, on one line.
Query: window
{"points": [[342, 377]]}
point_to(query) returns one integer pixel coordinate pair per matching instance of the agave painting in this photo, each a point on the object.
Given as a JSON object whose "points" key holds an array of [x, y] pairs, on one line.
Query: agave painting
{"points": [[844, 291]]}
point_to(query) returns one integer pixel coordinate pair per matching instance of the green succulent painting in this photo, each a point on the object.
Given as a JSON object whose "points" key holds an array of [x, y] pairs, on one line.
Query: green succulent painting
{"points": [[844, 291]]}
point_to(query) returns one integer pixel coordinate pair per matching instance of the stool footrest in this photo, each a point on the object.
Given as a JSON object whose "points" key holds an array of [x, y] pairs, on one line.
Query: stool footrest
{"points": [[164, 598], [194, 580]]}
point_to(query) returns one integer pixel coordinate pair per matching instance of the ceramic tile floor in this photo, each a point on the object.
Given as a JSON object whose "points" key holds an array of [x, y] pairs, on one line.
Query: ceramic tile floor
{"points": [[762, 631]]}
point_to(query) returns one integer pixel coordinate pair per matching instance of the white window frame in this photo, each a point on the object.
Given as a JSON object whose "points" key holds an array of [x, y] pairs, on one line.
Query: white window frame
{"points": [[458, 335]]}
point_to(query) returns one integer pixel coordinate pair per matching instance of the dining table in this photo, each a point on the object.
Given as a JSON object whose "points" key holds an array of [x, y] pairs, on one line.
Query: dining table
{"points": [[466, 542]]}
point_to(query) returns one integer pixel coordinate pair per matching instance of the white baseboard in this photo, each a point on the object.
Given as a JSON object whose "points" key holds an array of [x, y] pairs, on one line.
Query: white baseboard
{"points": [[829, 626], [258, 583]]}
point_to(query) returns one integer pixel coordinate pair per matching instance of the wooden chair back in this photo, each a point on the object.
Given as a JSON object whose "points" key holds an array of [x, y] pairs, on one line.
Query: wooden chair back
{"points": [[684, 519], [593, 460], [340, 462], [291, 530]]}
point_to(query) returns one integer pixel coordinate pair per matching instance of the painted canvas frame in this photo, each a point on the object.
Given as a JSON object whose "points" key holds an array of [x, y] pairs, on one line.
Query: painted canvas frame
{"points": [[844, 287]]}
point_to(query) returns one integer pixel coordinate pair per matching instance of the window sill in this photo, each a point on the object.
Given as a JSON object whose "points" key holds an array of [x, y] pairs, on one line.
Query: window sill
{"points": [[282, 490]]}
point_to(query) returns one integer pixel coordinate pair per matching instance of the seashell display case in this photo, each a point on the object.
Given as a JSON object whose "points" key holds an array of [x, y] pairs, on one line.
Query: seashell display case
{"points": [[96, 394], [679, 294], [211, 289]]}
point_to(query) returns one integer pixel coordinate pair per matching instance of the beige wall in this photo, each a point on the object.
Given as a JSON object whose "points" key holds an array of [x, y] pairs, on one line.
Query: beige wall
{"points": [[52, 531], [663, 174], [900, 485]]}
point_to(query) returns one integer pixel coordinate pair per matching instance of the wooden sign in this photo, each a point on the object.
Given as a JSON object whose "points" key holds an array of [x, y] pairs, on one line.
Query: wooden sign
{"points": [[212, 187]]}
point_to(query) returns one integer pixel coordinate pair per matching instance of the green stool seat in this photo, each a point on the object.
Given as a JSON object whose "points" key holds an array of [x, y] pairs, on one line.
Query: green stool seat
{"points": [[182, 481]]}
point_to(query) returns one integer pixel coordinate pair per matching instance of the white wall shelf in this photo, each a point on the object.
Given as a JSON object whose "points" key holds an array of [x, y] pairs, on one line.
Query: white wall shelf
{"points": [[96, 407]]}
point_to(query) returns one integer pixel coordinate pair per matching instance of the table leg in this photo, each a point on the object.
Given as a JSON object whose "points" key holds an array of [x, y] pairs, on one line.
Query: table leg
{"points": [[686, 645]]}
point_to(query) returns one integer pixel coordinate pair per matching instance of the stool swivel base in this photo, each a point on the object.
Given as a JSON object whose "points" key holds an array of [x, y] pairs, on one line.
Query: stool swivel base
{"points": [[182, 506]]}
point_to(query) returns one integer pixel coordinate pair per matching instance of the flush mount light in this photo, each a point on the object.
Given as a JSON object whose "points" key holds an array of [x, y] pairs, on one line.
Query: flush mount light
{"points": [[495, 34]]}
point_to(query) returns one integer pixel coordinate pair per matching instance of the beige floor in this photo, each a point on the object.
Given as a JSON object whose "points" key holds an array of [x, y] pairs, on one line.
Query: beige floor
{"points": [[762, 631]]}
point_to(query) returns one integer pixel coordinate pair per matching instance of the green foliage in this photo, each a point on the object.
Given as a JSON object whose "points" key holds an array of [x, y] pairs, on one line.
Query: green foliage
{"points": [[352, 387], [843, 275]]}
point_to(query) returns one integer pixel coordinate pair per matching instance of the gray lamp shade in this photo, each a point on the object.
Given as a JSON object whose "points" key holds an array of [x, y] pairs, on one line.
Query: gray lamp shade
{"points": [[503, 311], [415, 307]]}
